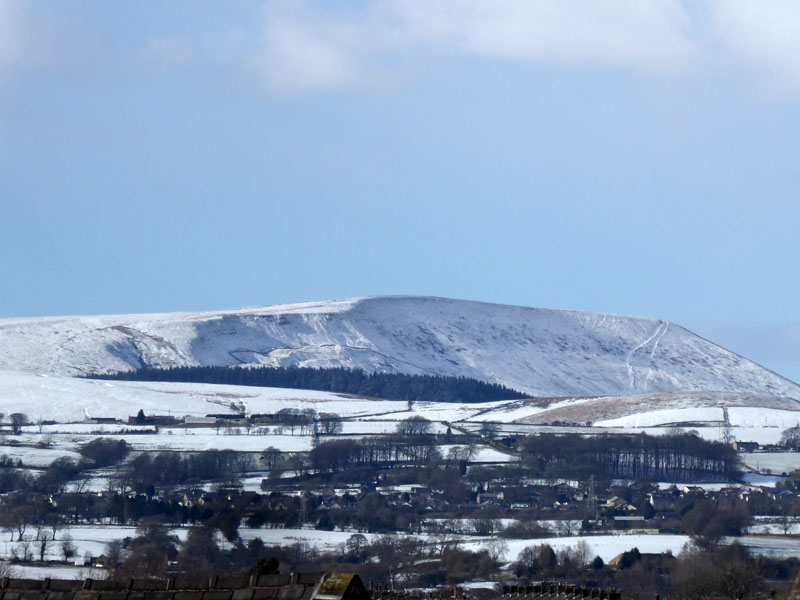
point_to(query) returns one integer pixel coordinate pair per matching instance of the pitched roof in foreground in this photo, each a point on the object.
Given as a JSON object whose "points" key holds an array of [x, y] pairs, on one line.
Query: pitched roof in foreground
{"points": [[294, 586]]}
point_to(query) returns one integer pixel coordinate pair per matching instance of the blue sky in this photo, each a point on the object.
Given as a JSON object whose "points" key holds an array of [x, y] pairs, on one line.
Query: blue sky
{"points": [[191, 155]]}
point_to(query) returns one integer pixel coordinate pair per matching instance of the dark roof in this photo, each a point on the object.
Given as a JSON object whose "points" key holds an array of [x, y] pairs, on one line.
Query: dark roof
{"points": [[294, 586], [551, 591]]}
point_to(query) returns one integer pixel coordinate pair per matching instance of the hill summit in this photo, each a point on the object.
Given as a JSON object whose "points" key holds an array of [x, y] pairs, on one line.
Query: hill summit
{"points": [[542, 352]]}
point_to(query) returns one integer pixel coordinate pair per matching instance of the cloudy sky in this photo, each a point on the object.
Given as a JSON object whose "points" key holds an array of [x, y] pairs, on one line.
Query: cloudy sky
{"points": [[627, 157]]}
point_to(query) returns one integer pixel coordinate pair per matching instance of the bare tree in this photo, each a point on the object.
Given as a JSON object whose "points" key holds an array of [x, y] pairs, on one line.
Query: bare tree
{"points": [[68, 548], [330, 423], [444, 542], [731, 572], [415, 425], [356, 543], [487, 526], [25, 546], [726, 435], [272, 457], [461, 453], [785, 522], [45, 537], [81, 484], [790, 438], [119, 480], [566, 527], [497, 549], [298, 463], [489, 430], [17, 420], [55, 524], [18, 520], [114, 553]]}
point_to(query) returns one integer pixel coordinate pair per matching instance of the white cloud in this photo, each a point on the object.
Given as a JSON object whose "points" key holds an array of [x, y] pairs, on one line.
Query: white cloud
{"points": [[295, 47], [304, 49], [300, 51], [645, 36], [764, 35]]}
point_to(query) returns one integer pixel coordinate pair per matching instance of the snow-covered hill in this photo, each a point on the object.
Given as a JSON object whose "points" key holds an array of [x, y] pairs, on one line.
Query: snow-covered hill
{"points": [[539, 351]]}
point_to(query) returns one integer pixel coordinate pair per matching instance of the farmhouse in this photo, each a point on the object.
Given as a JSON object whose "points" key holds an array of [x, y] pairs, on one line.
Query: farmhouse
{"points": [[745, 446]]}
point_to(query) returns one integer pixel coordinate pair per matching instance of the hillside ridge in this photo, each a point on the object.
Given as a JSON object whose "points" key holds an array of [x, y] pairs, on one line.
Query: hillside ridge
{"points": [[543, 352]]}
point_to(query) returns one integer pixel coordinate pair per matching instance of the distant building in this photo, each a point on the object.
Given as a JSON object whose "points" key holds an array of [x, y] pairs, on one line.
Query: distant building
{"points": [[199, 421], [143, 419], [746, 446]]}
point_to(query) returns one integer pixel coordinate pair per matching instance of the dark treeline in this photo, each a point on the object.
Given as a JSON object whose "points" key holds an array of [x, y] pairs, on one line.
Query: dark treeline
{"points": [[644, 457], [338, 455], [665, 458], [148, 471], [389, 386]]}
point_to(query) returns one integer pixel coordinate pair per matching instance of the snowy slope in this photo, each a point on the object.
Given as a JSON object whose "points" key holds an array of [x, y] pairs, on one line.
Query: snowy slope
{"points": [[660, 408], [543, 352], [66, 399]]}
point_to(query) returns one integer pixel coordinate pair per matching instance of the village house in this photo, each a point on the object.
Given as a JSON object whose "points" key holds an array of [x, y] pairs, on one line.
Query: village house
{"points": [[661, 501], [745, 446]]}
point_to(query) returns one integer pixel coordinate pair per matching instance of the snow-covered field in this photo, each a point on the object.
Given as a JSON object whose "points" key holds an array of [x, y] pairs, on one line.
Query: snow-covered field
{"points": [[774, 529], [57, 572], [663, 408], [65, 399], [738, 416], [762, 435], [604, 546], [442, 411], [481, 454], [779, 547], [323, 540], [657, 418], [37, 457], [179, 440], [756, 416], [93, 539], [760, 480], [386, 425], [68, 400], [781, 462], [90, 539]]}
